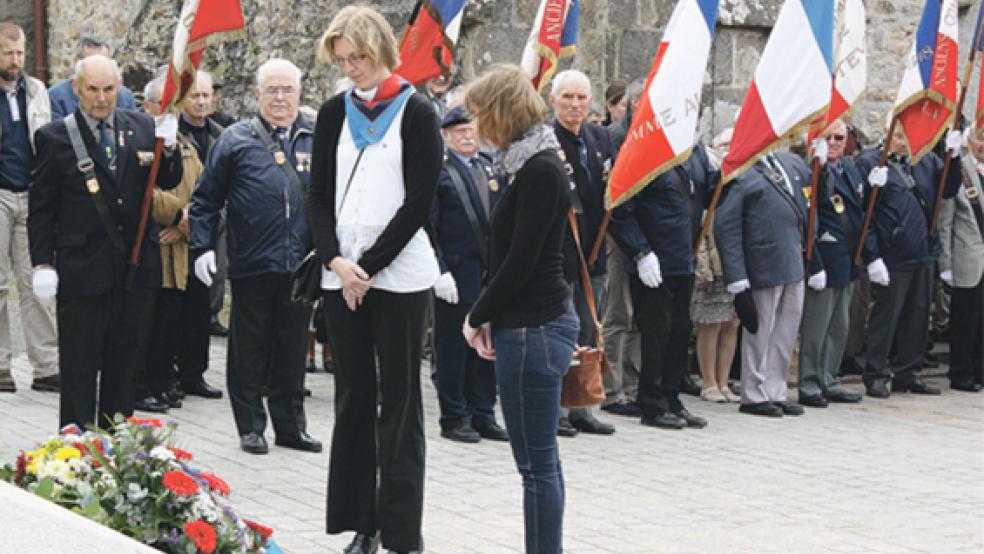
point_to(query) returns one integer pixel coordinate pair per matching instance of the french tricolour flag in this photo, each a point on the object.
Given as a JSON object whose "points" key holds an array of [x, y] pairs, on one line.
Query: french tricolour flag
{"points": [[979, 47], [927, 96], [791, 86], [850, 64], [427, 45], [663, 128], [553, 35]]}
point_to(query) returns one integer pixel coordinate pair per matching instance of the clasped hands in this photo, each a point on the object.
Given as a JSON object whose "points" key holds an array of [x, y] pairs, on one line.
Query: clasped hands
{"points": [[479, 338], [355, 281]]}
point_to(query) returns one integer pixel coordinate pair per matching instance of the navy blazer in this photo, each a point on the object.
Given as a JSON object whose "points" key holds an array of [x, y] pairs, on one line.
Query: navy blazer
{"points": [[455, 241], [836, 234], [901, 219], [759, 229]]}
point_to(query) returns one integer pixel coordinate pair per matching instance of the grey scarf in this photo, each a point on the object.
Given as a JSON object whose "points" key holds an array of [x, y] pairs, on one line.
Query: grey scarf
{"points": [[538, 138]]}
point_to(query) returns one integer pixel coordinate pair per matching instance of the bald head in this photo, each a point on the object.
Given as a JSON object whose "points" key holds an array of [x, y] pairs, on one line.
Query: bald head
{"points": [[97, 84]]}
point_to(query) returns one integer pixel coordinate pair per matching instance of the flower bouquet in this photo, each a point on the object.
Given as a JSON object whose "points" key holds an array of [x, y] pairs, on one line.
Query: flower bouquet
{"points": [[133, 480]]}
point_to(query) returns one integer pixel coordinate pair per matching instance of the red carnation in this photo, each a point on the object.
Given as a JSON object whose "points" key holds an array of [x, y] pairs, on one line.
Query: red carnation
{"points": [[156, 423], [216, 483], [202, 534], [21, 468], [263, 530], [180, 483], [180, 454]]}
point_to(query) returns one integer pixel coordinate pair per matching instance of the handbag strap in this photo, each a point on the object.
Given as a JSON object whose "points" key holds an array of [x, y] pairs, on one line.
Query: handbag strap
{"points": [[348, 186], [86, 167], [586, 279], [459, 186]]}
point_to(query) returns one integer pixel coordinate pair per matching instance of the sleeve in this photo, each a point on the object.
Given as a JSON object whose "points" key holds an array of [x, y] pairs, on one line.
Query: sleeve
{"points": [[823, 190], [43, 203], [165, 207], [953, 179], [321, 191], [871, 251], [435, 217], [125, 99], [209, 197], [625, 229], [728, 227], [422, 152], [947, 213], [172, 163]]}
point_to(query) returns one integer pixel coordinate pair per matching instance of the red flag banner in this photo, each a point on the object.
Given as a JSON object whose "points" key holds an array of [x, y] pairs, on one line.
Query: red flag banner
{"points": [[427, 45]]}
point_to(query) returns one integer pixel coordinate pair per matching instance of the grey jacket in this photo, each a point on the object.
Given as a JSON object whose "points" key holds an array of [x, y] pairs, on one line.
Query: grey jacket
{"points": [[963, 247], [38, 107]]}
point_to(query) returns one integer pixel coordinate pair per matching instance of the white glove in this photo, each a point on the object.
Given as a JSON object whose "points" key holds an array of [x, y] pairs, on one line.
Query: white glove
{"points": [[45, 283], [878, 273], [878, 176], [739, 287], [820, 150], [947, 277], [818, 281], [954, 142], [205, 267], [446, 289], [166, 127], [649, 272]]}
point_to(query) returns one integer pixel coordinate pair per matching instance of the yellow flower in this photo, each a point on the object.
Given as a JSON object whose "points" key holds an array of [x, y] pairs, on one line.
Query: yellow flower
{"points": [[35, 457], [66, 453]]}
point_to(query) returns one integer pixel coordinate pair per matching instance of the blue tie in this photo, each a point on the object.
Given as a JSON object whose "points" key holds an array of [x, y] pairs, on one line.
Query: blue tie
{"points": [[582, 156], [106, 144]]}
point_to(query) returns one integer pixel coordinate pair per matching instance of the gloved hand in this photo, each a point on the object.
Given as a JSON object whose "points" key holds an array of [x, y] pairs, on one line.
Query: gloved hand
{"points": [[446, 289], [947, 277], [166, 127], [45, 283], [818, 281], [205, 267], [820, 150], [954, 142], [878, 176], [649, 272], [878, 273], [739, 287]]}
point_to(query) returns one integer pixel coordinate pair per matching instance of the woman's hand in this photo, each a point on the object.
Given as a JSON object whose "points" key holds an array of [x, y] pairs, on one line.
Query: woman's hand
{"points": [[480, 339], [355, 281]]}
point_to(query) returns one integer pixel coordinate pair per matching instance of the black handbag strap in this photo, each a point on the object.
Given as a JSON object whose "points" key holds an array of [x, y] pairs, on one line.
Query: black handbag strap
{"points": [[87, 168], [459, 186]]}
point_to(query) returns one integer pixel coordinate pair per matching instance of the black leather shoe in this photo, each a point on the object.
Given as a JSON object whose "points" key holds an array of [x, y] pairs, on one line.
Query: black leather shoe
{"points": [[850, 366], [966, 385], [177, 392], [307, 392], [628, 409], [51, 383], [329, 366], [254, 444], [688, 386], [310, 366], [767, 409], [363, 544], [462, 434], [592, 426], [301, 441], [216, 329], [151, 404], [694, 422], [813, 400], [202, 389], [916, 386], [843, 397], [877, 389], [492, 431], [171, 401], [565, 429], [664, 421], [788, 408]]}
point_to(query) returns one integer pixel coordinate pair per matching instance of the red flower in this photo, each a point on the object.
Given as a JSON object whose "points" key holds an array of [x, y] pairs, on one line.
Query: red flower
{"points": [[180, 454], [180, 483], [202, 534], [156, 423], [87, 452], [215, 483], [21, 468], [263, 530]]}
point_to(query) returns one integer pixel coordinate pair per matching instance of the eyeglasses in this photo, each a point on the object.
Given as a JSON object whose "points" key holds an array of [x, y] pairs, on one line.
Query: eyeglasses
{"points": [[274, 91], [838, 137], [352, 59]]}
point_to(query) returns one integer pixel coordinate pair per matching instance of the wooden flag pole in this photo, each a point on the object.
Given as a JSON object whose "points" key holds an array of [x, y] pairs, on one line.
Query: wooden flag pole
{"points": [[134, 261], [709, 216], [811, 223], [874, 193]]}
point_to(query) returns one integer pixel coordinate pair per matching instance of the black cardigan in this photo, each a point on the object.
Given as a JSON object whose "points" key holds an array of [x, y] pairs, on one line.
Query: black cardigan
{"points": [[422, 158]]}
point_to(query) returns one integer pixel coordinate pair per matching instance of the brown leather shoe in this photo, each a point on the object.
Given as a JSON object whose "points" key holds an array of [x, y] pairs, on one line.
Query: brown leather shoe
{"points": [[51, 383], [7, 383]]}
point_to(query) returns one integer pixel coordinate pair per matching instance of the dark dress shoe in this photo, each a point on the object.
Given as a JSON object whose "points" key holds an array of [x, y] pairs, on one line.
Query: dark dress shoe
{"points": [[592, 426], [916, 386], [850, 366], [492, 431], [307, 392], [628, 409], [301, 441], [688, 386], [329, 366], [966, 385], [254, 444], [767, 409], [151, 404], [177, 392], [694, 422], [462, 434], [877, 389], [788, 408], [170, 400], [813, 400], [663, 421], [216, 329], [565, 429], [51, 383], [843, 397], [363, 544], [202, 389]]}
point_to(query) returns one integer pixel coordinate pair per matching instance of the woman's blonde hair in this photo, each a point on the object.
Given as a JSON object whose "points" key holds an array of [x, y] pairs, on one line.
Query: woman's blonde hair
{"points": [[369, 33], [504, 104]]}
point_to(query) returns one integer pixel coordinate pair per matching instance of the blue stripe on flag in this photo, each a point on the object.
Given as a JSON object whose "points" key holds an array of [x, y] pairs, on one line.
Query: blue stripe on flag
{"points": [[978, 37], [925, 44], [709, 9], [820, 13], [569, 36], [448, 9]]}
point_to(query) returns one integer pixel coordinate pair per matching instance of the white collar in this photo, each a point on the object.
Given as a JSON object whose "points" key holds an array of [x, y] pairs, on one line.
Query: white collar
{"points": [[366, 95]]}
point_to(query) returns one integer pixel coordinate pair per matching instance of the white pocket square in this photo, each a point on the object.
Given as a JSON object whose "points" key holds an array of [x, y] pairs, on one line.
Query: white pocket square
{"points": [[827, 237]]}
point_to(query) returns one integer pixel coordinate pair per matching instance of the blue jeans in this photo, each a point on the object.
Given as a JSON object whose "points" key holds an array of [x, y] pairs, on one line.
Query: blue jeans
{"points": [[529, 368]]}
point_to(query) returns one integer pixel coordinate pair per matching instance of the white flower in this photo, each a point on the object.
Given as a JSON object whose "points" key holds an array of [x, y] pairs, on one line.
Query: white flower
{"points": [[161, 453], [57, 469], [135, 493]]}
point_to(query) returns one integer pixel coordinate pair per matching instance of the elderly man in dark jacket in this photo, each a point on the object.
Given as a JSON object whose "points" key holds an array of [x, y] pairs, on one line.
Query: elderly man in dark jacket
{"points": [[259, 170]]}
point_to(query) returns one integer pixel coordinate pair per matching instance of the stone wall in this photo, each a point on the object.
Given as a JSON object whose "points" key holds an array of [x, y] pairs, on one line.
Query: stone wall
{"points": [[617, 39]]}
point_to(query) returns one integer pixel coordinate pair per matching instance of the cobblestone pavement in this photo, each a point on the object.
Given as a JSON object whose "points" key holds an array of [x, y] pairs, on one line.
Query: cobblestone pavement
{"points": [[903, 475]]}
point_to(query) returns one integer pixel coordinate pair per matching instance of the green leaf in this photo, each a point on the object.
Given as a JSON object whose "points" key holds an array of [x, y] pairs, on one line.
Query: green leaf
{"points": [[45, 488], [91, 510]]}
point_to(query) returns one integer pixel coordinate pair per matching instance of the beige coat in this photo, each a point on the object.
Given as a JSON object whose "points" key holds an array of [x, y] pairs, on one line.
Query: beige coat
{"points": [[963, 246], [166, 206]]}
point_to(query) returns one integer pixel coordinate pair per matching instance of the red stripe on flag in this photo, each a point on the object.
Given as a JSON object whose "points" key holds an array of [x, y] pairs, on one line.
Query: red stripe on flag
{"points": [[423, 51], [753, 132]]}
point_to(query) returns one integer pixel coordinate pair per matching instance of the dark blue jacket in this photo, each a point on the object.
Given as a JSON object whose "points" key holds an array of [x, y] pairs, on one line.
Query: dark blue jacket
{"points": [[64, 101], [901, 219], [836, 234], [659, 220], [455, 241], [265, 215]]}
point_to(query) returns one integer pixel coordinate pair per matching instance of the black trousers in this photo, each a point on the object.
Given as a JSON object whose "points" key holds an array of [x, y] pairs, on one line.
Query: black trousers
{"points": [[267, 335], [193, 342], [108, 334], [662, 315], [899, 325], [966, 334], [159, 373], [465, 382], [387, 327]]}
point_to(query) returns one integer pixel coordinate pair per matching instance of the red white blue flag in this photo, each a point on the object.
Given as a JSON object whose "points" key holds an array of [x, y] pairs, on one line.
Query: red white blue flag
{"points": [[428, 42], [791, 86], [554, 35], [979, 47], [663, 129], [850, 64], [927, 96]]}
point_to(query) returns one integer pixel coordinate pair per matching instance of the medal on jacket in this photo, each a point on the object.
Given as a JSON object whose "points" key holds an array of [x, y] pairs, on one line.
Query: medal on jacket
{"points": [[838, 203], [280, 157], [493, 185], [92, 185]]}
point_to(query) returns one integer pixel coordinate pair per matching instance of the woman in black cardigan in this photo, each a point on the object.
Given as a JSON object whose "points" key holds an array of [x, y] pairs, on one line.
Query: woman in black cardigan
{"points": [[377, 155], [525, 319]]}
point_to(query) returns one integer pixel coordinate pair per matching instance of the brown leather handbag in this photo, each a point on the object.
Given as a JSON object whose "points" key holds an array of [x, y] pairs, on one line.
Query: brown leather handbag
{"points": [[582, 384]]}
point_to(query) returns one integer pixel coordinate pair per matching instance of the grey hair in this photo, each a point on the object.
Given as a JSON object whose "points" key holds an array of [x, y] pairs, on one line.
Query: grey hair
{"points": [[80, 63], [567, 76], [274, 64], [86, 43], [154, 89], [635, 88]]}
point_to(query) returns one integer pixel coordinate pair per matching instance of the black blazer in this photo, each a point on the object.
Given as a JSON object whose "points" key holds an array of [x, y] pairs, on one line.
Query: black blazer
{"points": [[64, 228]]}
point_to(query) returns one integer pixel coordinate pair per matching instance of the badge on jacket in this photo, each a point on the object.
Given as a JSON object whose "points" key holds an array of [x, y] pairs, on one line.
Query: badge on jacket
{"points": [[303, 161], [145, 158], [838, 203]]}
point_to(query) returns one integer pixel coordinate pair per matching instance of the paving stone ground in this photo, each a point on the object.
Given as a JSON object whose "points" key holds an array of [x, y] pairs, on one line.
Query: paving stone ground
{"points": [[902, 475]]}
